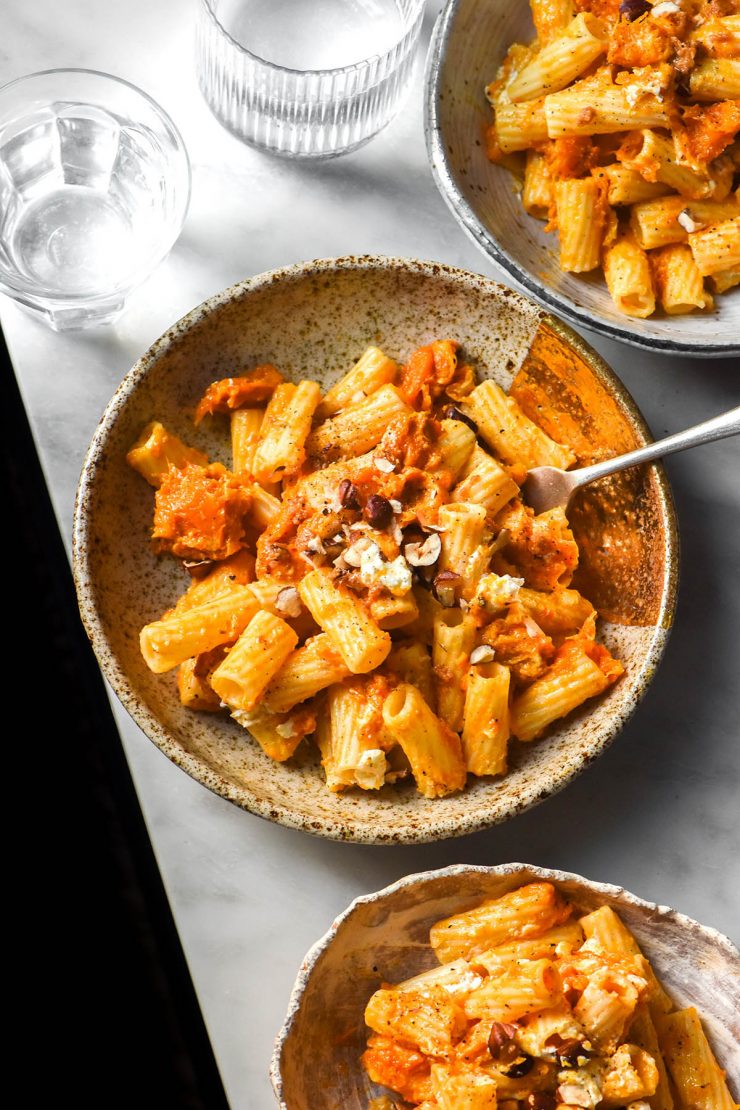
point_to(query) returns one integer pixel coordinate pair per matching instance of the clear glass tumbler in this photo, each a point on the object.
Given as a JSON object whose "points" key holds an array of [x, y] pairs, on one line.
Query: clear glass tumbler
{"points": [[94, 188], [306, 78]]}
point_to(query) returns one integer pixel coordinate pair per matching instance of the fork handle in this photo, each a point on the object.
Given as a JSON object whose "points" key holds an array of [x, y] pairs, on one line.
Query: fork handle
{"points": [[719, 427]]}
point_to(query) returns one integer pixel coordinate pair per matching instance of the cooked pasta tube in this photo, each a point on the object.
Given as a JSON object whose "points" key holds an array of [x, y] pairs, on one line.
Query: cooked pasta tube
{"points": [[157, 449], [454, 639], [194, 691], [245, 434], [607, 931], [631, 1074], [432, 1021], [606, 1007], [254, 660], [356, 735], [699, 1080], [394, 612], [433, 750], [485, 482], [581, 215], [454, 1090], [511, 434], [277, 736], [560, 613], [537, 188], [561, 940], [357, 428], [657, 159], [525, 913], [562, 60], [459, 977], [520, 126], [715, 79], [642, 1032], [320, 489], [485, 731], [570, 681], [412, 663], [629, 278], [281, 446], [354, 633], [626, 186], [456, 444], [656, 223], [311, 668], [422, 628], [237, 570], [717, 248], [725, 279], [371, 371], [264, 509], [464, 533], [184, 633], [516, 990], [596, 106], [680, 286]]}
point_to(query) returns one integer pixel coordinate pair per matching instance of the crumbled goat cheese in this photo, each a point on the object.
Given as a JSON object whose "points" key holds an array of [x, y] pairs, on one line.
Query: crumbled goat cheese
{"points": [[497, 590], [384, 464], [370, 769], [579, 1088], [482, 654], [687, 221], [246, 718], [375, 571], [666, 7], [353, 554]]}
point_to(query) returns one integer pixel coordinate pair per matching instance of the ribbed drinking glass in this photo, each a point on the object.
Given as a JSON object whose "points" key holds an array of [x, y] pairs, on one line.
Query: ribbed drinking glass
{"points": [[306, 78]]}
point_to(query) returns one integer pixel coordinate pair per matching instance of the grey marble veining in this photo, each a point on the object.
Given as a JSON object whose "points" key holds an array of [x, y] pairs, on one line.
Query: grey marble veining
{"points": [[657, 813]]}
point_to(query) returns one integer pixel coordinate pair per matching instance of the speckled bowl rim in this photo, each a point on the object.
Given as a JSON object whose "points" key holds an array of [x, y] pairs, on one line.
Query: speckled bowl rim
{"points": [[419, 878], [472, 820], [484, 239]]}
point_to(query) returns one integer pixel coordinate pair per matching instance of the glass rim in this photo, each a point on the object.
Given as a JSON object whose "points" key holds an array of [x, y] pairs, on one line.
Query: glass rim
{"points": [[12, 285], [417, 10]]}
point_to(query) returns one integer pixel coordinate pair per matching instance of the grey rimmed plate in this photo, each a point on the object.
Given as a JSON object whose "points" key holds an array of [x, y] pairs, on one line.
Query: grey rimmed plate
{"points": [[384, 937], [313, 320], [470, 41]]}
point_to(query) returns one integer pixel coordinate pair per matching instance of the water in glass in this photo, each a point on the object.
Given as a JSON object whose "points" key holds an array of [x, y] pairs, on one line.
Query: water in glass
{"points": [[78, 193]]}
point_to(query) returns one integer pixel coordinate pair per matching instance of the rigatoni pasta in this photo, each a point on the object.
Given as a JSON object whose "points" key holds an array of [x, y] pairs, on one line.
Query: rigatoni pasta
{"points": [[628, 114], [523, 1013], [389, 594]]}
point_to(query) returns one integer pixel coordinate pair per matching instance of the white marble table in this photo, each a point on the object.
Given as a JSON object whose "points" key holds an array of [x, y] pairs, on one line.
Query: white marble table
{"points": [[658, 813]]}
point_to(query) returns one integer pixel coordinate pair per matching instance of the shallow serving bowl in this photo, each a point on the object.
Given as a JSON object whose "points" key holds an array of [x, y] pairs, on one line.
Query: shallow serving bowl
{"points": [[385, 937], [313, 320], [470, 41]]}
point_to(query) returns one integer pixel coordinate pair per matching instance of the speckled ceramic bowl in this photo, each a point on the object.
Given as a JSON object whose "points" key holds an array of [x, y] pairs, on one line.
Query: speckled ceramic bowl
{"points": [[313, 320], [470, 41], [385, 937]]}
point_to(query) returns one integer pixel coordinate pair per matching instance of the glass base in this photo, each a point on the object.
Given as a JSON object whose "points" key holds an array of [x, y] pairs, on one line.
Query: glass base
{"points": [[63, 317]]}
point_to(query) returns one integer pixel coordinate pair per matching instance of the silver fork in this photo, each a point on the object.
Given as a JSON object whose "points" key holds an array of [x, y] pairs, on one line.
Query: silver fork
{"points": [[547, 487]]}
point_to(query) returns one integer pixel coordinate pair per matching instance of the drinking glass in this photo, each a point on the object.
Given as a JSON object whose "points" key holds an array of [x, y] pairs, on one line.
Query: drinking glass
{"points": [[94, 187], [306, 78]]}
